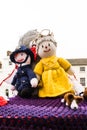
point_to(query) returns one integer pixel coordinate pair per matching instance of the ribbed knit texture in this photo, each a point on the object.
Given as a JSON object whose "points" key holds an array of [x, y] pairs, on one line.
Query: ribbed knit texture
{"points": [[42, 114]]}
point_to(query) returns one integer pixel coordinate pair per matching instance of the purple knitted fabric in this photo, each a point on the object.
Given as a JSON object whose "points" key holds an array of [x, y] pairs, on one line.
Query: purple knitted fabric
{"points": [[42, 114]]}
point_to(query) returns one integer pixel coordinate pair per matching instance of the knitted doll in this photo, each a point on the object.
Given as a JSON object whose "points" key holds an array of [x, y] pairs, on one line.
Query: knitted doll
{"points": [[26, 40], [25, 80], [52, 71]]}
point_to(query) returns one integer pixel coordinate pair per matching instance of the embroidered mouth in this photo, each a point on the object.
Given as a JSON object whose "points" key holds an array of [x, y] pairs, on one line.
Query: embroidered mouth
{"points": [[46, 50], [21, 60]]}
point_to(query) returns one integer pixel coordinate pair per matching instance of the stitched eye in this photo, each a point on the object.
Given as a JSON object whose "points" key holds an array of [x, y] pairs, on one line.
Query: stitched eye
{"points": [[49, 44], [22, 54], [42, 46]]}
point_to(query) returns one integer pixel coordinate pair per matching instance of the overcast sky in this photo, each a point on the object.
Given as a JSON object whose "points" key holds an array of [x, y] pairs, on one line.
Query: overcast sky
{"points": [[66, 18]]}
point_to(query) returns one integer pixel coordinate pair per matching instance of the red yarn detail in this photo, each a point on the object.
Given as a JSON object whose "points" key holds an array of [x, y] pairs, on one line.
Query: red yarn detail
{"points": [[33, 49], [3, 101], [16, 67]]}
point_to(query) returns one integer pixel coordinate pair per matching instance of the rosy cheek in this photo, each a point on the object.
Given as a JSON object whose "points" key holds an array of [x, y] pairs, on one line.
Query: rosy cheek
{"points": [[17, 57]]}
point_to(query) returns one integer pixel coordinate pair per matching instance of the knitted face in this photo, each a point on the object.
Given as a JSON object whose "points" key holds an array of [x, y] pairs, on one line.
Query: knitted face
{"points": [[46, 49], [21, 57]]}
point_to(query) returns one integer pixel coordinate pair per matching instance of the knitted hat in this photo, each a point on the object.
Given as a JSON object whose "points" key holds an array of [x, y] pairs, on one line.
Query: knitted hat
{"points": [[21, 49]]}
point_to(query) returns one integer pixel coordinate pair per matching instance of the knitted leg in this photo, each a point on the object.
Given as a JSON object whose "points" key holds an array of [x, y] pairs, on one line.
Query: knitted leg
{"points": [[26, 93]]}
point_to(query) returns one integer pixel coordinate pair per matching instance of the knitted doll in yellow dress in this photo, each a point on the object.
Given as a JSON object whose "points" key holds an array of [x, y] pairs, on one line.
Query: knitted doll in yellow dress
{"points": [[51, 70]]}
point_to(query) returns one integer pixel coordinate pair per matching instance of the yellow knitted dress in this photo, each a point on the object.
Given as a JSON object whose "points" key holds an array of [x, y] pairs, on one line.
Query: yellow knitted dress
{"points": [[53, 76]]}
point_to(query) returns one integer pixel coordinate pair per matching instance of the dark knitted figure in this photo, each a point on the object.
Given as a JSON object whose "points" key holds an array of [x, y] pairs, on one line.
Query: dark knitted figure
{"points": [[25, 80]]}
